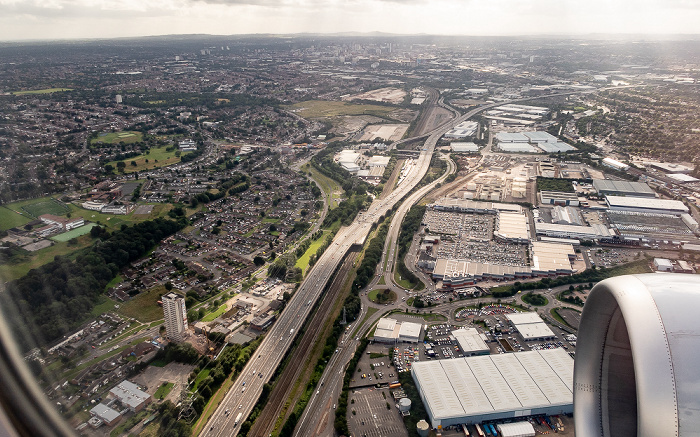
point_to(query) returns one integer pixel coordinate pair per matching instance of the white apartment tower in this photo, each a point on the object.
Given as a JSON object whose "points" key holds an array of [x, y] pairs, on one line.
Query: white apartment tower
{"points": [[175, 316]]}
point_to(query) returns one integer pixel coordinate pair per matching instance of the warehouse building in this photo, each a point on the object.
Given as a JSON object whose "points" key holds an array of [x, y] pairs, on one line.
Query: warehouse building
{"points": [[392, 331], [512, 227], [670, 168], [464, 147], [511, 137], [663, 265], [615, 164], [559, 198], [654, 206], [623, 188], [131, 396], [566, 215], [495, 387], [552, 258], [594, 232], [471, 342], [463, 130], [107, 415], [682, 178], [530, 326]]}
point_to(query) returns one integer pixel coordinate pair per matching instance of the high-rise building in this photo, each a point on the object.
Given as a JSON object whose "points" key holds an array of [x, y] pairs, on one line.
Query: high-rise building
{"points": [[175, 314]]}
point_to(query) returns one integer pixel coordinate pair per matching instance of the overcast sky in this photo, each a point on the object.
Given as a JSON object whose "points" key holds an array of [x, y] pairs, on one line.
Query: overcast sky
{"points": [[49, 19]]}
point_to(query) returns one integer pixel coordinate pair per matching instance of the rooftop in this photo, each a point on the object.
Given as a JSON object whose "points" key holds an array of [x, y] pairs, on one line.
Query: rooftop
{"points": [[496, 383]]}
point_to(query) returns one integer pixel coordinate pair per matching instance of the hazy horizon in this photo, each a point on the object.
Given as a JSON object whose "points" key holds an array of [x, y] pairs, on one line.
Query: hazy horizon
{"points": [[22, 20]]}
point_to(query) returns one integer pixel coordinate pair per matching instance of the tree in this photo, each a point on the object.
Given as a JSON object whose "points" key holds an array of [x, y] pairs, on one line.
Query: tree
{"points": [[121, 165], [258, 261], [168, 285], [109, 168], [133, 163]]}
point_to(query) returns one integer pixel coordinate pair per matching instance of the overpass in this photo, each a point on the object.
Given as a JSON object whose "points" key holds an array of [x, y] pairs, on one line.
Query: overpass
{"points": [[246, 390]]}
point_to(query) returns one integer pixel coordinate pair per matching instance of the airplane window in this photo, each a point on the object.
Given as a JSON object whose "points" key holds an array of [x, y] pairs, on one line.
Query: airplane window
{"points": [[287, 217]]}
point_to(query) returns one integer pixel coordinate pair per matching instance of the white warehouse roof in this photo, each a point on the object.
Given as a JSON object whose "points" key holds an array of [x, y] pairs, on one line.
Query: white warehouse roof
{"points": [[386, 329], [470, 341], [621, 202], [530, 325], [409, 331], [465, 390], [390, 330]]}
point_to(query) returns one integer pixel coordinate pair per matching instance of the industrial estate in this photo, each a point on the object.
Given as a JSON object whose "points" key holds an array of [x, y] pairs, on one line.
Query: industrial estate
{"points": [[365, 236]]}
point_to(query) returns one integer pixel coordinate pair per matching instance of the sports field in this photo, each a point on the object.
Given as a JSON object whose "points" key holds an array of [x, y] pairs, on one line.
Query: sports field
{"points": [[126, 137], [44, 91], [74, 233], [156, 157], [33, 208], [115, 221], [11, 219], [324, 109]]}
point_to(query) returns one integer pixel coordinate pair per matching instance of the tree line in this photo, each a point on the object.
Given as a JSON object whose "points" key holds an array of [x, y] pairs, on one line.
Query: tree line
{"points": [[54, 299]]}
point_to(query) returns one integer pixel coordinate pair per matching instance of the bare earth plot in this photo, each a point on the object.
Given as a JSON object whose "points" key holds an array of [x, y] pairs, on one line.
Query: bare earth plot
{"points": [[387, 132], [152, 377], [351, 124], [389, 95]]}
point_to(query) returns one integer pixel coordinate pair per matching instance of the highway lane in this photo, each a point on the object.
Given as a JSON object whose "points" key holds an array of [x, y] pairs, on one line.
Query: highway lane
{"points": [[319, 414], [247, 388]]}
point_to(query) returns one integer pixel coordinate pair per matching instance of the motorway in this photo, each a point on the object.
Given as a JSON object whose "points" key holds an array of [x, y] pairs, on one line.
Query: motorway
{"points": [[241, 398], [247, 388]]}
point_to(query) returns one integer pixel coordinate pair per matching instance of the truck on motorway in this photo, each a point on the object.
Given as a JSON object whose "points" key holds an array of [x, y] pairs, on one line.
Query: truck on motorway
{"points": [[291, 331], [238, 419]]}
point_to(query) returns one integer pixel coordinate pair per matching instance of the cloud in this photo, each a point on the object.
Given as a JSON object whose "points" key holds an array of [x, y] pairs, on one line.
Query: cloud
{"points": [[89, 8]]}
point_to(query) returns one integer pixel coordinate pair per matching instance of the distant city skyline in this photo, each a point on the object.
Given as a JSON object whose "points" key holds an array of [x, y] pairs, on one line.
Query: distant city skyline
{"points": [[73, 19]]}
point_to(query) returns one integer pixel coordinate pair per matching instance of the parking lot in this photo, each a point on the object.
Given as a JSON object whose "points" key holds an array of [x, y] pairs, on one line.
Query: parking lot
{"points": [[372, 413], [370, 370], [470, 237]]}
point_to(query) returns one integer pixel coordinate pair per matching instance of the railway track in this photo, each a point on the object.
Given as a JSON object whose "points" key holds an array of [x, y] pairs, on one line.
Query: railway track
{"points": [[265, 422]]}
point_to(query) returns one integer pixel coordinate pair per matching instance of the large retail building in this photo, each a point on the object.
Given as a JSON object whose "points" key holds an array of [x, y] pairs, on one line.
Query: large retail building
{"points": [[506, 386]]}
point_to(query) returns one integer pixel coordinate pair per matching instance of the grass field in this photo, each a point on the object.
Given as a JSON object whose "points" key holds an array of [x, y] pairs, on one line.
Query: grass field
{"points": [[43, 91], [303, 261], [47, 207], [10, 272], [200, 377], [401, 282], [163, 390], [33, 208], [11, 219], [331, 189], [115, 220], [324, 109], [373, 296], [157, 157], [144, 307], [127, 137], [213, 315], [75, 233], [105, 306]]}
